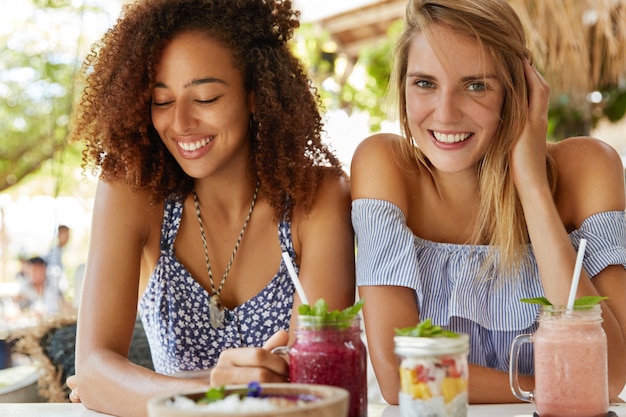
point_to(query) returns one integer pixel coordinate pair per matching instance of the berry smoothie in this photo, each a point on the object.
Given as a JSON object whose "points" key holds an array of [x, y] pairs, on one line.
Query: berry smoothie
{"points": [[332, 355]]}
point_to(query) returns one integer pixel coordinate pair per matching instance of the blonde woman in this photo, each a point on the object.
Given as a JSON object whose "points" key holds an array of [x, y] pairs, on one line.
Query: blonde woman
{"points": [[471, 210]]}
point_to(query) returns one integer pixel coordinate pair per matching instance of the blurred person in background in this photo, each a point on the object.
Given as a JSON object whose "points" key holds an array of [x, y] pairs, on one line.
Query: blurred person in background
{"points": [[54, 258], [38, 296]]}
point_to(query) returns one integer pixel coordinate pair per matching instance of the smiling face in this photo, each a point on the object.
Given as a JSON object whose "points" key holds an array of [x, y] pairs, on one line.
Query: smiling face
{"points": [[200, 107], [453, 99]]}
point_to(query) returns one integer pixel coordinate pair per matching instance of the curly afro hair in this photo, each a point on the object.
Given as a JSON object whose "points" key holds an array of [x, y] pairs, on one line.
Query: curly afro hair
{"points": [[114, 119]]}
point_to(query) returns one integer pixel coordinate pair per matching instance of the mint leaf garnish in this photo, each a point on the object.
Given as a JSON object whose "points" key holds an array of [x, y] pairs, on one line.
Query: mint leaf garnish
{"points": [[425, 328], [538, 300], [216, 394], [586, 301], [337, 318], [589, 300], [213, 394]]}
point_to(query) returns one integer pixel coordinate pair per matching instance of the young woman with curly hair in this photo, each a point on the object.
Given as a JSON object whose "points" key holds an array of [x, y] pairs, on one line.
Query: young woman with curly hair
{"points": [[205, 133], [470, 210]]}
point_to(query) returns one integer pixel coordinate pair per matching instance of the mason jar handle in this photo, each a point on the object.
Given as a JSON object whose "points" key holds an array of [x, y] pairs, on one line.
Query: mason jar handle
{"points": [[280, 350], [527, 396]]}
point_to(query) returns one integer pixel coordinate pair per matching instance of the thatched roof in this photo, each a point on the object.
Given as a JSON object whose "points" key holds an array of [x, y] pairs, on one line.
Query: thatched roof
{"points": [[580, 45]]}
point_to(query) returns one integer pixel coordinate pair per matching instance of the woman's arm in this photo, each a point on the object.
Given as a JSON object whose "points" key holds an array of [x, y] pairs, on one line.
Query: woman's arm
{"points": [[326, 253], [107, 381], [375, 174], [324, 244], [590, 181], [491, 386], [387, 308]]}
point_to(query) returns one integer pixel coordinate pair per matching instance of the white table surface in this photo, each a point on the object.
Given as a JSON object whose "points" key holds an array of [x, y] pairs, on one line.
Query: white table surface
{"points": [[374, 410]]}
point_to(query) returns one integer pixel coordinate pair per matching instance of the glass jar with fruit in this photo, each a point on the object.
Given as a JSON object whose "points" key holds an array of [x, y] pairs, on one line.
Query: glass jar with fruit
{"points": [[433, 371]]}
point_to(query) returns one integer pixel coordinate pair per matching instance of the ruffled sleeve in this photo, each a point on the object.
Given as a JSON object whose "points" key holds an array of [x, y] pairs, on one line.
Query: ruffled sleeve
{"points": [[385, 249], [606, 241]]}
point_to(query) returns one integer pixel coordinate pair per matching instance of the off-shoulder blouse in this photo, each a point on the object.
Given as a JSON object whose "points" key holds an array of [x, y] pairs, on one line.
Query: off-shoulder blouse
{"points": [[447, 281]]}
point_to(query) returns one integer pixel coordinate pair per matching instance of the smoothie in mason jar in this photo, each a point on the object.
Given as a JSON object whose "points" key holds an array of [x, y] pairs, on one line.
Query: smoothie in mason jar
{"points": [[328, 350], [570, 358], [571, 366]]}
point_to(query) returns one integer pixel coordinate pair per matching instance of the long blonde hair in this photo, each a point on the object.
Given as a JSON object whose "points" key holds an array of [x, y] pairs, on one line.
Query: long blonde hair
{"points": [[494, 24]]}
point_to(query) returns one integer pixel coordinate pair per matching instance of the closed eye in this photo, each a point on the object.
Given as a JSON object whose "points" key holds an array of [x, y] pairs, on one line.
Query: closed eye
{"points": [[213, 100], [161, 104]]}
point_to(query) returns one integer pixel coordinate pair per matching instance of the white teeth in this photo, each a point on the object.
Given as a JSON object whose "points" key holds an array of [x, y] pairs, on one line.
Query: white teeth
{"points": [[192, 146], [451, 138]]}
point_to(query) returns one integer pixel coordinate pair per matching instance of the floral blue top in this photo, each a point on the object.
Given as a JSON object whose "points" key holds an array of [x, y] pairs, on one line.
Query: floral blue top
{"points": [[174, 308], [447, 283]]}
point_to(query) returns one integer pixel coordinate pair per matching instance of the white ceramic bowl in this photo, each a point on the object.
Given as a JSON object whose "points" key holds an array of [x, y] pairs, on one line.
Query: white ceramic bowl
{"points": [[333, 402]]}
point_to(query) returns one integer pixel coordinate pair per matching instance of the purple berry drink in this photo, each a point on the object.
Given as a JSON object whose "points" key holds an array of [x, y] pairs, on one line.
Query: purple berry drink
{"points": [[331, 353]]}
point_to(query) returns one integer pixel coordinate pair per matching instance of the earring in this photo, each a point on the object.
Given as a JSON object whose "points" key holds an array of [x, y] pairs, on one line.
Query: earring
{"points": [[255, 127]]}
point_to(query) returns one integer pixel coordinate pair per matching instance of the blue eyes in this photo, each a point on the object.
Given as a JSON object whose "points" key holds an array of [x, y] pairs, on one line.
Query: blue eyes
{"points": [[477, 87], [424, 84]]}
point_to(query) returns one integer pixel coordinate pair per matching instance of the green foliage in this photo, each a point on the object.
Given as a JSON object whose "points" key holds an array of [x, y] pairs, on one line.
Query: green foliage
{"points": [[372, 97], [566, 119], [615, 106], [338, 85], [52, 4], [37, 73]]}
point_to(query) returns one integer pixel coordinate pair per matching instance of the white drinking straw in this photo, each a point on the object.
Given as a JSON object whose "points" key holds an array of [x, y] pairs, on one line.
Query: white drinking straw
{"points": [[294, 278], [576, 276]]}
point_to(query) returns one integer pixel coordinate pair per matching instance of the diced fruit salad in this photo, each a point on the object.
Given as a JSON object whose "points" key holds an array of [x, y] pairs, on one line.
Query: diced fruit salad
{"points": [[432, 376], [425, 379]]}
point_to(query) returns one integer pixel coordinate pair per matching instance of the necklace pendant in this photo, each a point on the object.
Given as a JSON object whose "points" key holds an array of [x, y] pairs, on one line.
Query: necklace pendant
{"points": [[216, 311]]}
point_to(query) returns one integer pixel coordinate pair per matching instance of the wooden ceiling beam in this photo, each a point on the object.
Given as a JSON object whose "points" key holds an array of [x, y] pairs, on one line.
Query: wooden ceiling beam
{"points": [[358, 27]]}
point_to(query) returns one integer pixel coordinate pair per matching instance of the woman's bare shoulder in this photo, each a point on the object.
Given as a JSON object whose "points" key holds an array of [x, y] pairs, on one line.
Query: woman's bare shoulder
{"points": [[376, 146], [333, 183], [332, 198], [381, 170], [119, 206], [584, 149], [117, 192], [590, 176], [581, 158]]}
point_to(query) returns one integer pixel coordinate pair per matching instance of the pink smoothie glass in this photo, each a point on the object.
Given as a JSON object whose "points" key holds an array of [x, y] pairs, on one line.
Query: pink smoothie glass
{"points": [[570, 354], [330, 353]]}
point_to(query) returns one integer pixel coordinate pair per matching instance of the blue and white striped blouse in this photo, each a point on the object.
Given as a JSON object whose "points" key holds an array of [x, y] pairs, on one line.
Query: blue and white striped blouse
{"points": [[444, 277]]}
